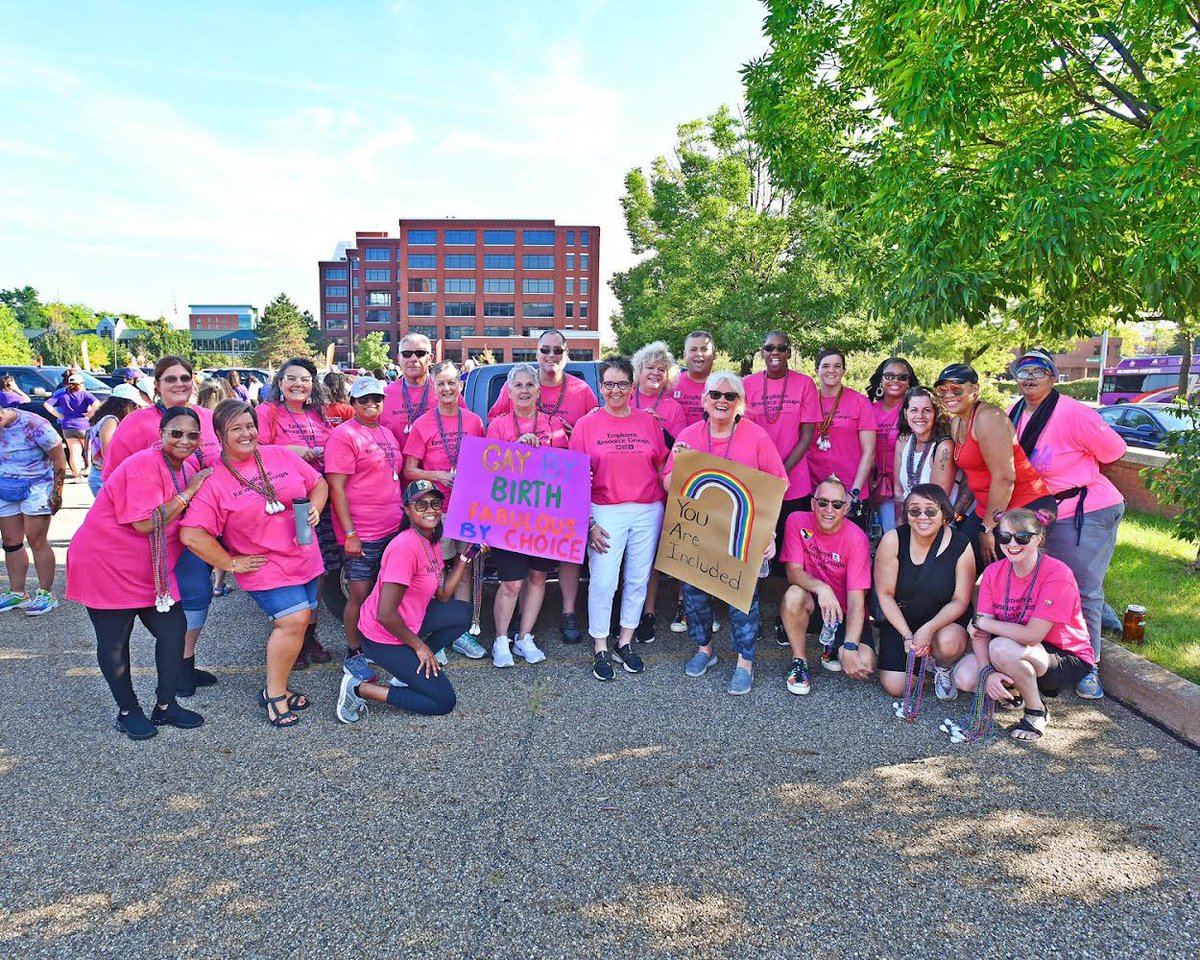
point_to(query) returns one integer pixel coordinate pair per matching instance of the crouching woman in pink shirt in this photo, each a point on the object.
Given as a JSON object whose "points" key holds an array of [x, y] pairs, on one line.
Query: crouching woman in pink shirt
{"points": [[250, 502]]}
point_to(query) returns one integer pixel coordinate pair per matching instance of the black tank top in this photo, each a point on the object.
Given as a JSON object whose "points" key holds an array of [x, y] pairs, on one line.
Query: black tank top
{"points": [[922, 589]]}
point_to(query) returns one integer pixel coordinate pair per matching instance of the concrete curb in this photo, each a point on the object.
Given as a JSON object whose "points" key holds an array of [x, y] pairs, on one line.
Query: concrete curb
{"points": [[1159, 694]]}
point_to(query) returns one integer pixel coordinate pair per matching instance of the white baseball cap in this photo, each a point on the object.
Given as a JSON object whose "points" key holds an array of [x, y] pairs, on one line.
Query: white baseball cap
{"points": [[127, 391], [366, 387]]}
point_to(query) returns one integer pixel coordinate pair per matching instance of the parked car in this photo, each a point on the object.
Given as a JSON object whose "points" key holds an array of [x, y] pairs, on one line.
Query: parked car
{"points": [[1145, 425], [39, 383]]}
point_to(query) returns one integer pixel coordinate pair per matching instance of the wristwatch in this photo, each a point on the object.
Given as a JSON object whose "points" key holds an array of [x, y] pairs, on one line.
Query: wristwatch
{"points": [[849, 645], [855, 493]]}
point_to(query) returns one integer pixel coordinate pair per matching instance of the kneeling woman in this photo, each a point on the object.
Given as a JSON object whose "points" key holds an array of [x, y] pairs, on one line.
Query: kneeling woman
{"points": [[410, 615], [250, 502], [132, 530], [1030, 625], [924, 578]]}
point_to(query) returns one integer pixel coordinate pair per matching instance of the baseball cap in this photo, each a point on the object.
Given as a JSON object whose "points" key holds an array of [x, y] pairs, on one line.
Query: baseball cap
{"points": [[1035, 358], [127, 391], [957, 373], [146, 385], [129, 373], [74, 378], [367, 387], [418, 487]]}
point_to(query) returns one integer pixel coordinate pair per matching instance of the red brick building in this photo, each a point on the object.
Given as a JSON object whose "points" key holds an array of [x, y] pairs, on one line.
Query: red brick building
{"points": [[222, 316], [460, 280]]}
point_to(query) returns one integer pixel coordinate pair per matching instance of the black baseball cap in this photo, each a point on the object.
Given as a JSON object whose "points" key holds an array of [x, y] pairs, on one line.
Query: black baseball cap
{"points": [[418, 487], [957, 373]]}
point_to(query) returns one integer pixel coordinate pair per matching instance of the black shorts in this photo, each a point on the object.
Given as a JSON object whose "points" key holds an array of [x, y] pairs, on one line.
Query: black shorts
{"points": [[892, 655], [72, 434], [516, 566], [817, 623], [1066, 670], [786, 510]]}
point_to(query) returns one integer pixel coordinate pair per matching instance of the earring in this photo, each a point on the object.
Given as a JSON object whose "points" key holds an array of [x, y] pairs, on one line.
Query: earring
{"points": [[879, 391]]}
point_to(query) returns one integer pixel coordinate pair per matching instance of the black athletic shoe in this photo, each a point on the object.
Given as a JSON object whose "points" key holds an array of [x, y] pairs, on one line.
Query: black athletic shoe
{"points": [[602, 668], [176, 716], [135, 725], [780, 633], [646, 630], [570, 628], [627, 657]]}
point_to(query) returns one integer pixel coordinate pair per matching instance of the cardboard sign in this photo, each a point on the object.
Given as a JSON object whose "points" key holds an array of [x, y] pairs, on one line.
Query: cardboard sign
{"points": [[531, 500], [720, 517]]}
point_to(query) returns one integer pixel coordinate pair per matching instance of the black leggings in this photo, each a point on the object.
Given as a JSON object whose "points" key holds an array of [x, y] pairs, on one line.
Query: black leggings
{"points": [[113, 630], [434, 696]]}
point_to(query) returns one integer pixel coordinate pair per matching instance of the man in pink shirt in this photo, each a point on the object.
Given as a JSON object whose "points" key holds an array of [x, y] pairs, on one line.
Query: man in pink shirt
{"points": [[409, 397], [699, 351], [828, 565]]}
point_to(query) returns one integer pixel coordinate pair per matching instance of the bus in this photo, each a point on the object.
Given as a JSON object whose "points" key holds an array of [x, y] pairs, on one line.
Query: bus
{"points": [[1134, 377]]}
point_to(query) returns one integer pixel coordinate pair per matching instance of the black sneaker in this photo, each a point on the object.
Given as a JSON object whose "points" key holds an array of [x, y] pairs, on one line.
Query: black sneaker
{"points": [[602, 668], [570, 628], [679, 624], [176, 716], [781, 637], [135, 725], [627, 657], [646, 629]]}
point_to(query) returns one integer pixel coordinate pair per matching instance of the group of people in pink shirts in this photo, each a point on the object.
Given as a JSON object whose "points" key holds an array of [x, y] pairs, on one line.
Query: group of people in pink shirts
{"points": [[305, 491]]}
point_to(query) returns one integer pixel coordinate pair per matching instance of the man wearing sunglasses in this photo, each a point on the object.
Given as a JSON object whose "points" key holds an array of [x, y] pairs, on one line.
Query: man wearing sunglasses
{"points": [[410, 396], [828, 565], [699, 351]]}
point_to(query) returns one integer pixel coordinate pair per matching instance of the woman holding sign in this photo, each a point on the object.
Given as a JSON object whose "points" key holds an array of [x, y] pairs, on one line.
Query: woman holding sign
{"points": [[521, 576], [626, 450], [724, 433]]}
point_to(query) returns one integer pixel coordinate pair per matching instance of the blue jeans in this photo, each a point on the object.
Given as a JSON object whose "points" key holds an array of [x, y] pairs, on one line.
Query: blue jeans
{"points": [[433, 696], [1088, 559], [743, 627], [95, 480], [195, 588]]}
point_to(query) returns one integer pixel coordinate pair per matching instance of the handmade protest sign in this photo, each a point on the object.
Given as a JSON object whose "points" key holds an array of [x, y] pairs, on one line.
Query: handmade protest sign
{"points": [[531, 500], [720, 516]]}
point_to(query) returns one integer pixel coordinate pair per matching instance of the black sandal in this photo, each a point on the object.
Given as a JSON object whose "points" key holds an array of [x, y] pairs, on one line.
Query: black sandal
{"points": [[295, 701], [1026, 725], [275, 716]]}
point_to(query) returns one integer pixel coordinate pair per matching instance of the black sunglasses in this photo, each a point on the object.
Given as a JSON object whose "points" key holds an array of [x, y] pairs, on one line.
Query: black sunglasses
{"points": [[930, 512], [407, 354], [1022, 538], [433, 503], [180, 434], [902, 377], [717, 395], [825, 502], [557, 351], [776, 348], [185, 378]]}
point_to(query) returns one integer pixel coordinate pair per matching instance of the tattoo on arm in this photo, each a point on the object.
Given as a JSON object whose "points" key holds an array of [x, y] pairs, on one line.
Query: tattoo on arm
{"points": [[945, 456]]}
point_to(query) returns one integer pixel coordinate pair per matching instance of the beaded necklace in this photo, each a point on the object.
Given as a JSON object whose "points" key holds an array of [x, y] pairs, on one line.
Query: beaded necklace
{"points": [[1027, 599], [908, 708], [533, 426], [827, 420], [376, 434], [179, 487], [915, 473], [266, 490], [163, 601], [453, 457], [980, 720], [305, 427], [562, 395], [728, 442], [772, 416], [476, 595], [437, 569], [959, 441], [637, 398], [418, 410]]}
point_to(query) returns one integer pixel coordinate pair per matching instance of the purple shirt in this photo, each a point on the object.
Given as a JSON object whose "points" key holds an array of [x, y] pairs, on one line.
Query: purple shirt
{"points": [[10, 399], [72, 407]]}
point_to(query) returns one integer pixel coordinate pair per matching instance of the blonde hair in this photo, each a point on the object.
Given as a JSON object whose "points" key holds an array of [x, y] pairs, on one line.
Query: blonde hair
{"points": [[1023, 520], [213, 392], [655, 352]]}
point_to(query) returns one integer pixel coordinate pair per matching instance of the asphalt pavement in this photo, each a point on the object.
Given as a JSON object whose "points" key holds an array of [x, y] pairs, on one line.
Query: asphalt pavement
{"points": [[554, 816]]}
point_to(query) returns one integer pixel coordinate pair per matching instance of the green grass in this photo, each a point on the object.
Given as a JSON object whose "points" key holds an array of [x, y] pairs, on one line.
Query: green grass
{"points": [[1150, 567]]}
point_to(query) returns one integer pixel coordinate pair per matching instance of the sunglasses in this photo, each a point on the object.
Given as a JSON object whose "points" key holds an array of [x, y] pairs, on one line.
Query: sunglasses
{"points": [[370, 400], [1022, 538], [718, 394], [557, 351], [824, 502], [409, 354], [423, 506], [929, 512], [618, 387], [944, 392], [192, 435], [901, 377], [776, 348], [185, 378]]}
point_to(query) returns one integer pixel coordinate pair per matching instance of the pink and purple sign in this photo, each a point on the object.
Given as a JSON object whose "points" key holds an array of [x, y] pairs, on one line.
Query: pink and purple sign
{"points": [[532, 500]]}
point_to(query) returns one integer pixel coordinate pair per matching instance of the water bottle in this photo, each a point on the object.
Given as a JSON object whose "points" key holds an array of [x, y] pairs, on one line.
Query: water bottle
{"points": [[304, 531], [765, 569], [828, 635]]}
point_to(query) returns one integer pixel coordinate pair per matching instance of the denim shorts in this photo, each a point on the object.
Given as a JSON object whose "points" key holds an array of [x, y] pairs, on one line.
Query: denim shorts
{"points": [[194, 577], [283, 601], [36, 504], [366, 567]]}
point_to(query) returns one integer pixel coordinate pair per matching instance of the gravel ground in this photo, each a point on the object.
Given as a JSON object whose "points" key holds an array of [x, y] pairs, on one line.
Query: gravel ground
{"points": [[555, 816]]}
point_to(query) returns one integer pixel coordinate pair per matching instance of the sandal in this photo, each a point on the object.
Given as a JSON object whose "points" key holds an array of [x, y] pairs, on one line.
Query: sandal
{"points": [[277, 717], [295, 701], [1027, 725], [220, 590]]}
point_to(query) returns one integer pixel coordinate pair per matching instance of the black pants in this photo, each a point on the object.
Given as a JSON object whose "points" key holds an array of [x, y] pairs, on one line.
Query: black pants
{"points": [[113, 630], [434, 696]]}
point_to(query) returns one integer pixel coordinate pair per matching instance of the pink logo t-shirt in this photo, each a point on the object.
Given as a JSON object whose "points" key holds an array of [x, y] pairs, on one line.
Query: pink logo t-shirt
{"points": [[689, 394], [139, 431], [1055, 597], [853, 414], [395, 409], [626, 455], [425, 440], [841, 559], [781, 407], [373, 464], [887, 426], [749, 445], [279, 425], [668, 411], [414, 564], [578, 401]]}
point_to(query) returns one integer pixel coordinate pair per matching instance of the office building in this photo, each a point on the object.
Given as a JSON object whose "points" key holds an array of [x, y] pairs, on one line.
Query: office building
{"points": [[221, 316]]}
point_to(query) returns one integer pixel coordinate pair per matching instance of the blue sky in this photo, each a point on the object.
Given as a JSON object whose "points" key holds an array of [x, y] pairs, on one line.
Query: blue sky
{"points": [[153, 154]]}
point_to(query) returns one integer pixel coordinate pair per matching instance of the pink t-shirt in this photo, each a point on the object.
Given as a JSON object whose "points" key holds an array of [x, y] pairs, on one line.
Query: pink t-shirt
{"points": [[228, 510], [854, 413], [108, 561], [139, 431], [887, 425], [278, 425], [749, 445], [1069, 452], [425, 440], [578, 401], [781, 407], [689, 394], [508, 426], [371, 459], [421, 399], [1055, 598], [670, 413], [841, 559], [626, 455], [410, 560]]}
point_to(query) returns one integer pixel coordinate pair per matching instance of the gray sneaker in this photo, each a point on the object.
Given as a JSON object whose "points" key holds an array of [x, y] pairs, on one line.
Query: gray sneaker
{"points": [[350, 706], [469, 647], [943, 683]]}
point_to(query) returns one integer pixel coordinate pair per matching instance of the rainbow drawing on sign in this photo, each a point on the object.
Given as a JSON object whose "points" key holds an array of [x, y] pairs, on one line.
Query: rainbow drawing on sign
{"points": [[743, 505]]}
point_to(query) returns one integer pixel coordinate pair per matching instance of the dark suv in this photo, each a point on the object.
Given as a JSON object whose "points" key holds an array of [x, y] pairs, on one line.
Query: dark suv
{"points": [[39, 383]]}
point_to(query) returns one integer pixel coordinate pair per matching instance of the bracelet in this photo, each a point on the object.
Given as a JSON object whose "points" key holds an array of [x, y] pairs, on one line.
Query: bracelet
{"points": [[233, 564], [182, 499], [351, 533], [591, 523]]}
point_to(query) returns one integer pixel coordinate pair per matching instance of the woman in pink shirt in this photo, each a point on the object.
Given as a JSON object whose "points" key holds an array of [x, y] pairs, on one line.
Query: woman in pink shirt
{"points": [[887, 388], [250, 502], [362, 468], [844, 446], [724, 432], [626, 450], [121, 566], [431, 453], [1029, 633]]}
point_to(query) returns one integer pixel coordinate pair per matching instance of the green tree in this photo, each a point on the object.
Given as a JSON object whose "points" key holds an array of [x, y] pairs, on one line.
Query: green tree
{"points": [[371, 352], [205, 360], [994, 158], [99, 349], [727, 251], [282, 332], [160, 340], [14, 348], [24, 303], [58, 346]]}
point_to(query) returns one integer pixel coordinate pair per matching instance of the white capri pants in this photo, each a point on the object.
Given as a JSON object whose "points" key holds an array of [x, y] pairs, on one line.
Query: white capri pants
{"points": [[633, 530]]}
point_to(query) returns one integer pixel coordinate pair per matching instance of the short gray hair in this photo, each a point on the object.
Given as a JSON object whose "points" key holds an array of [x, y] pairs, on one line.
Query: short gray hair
{"points": [[726, 376], [421, 337], [519, 368], [655, 352]]}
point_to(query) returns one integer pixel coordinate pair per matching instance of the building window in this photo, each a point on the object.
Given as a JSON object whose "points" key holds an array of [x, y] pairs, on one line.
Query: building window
{"points": [[454, 355], [355, 281], [570, 238], [583, 261], [423, 330], [458, 285], [422, 261], [460, 238], [570, 286], [498, 285], [336, 273], [357, 303], [499, 309], [570, 310], [583, 311], [459, 308], [499, 238], [537, 261], [583, 286], [570, 261], [337, 308], [379, 316], [422, 308], [585, 238], [580, 354], [541, 311], [337, 291], [460, 261], [537, 286], [379, 298], [538, 238], [378, 276], [422, 284], [497, 331], [458, 332], [524, 356], [421, 238], [377, 253], [499, 261]]}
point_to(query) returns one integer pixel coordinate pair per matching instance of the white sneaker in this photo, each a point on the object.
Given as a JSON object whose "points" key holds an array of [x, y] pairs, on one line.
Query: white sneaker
{"points": [[501, 654], [528, 649], [350, 706], [943, 683]]}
